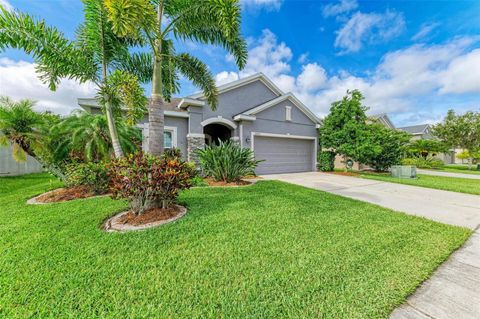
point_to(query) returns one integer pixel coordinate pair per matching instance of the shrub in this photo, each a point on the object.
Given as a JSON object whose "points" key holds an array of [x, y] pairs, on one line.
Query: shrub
{"points": [[326, 161], [421, 162], [146, 180], [93, 175], [227, 161]]}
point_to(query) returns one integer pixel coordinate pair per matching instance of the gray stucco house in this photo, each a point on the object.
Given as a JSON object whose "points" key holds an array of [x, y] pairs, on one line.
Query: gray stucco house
{"points": [[252, 111]]}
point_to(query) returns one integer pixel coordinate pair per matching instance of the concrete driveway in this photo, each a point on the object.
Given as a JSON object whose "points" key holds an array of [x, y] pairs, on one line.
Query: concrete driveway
{"points": [[454, 289], [443, 206], [447, 174]]}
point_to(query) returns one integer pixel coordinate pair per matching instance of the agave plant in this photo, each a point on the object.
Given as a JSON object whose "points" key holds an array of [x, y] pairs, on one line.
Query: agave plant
{"points": [[227, 161]]}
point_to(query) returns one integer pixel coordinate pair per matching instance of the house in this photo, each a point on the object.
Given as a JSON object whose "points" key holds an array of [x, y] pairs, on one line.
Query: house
{"points": [[424, 132], [253, 112]]}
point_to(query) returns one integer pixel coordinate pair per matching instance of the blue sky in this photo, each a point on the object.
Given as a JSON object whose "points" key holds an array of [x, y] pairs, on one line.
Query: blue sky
{"points": [[412, 59]]}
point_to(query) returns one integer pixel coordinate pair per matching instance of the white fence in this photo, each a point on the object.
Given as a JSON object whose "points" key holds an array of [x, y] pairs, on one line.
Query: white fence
{"points": [[9, 167]]}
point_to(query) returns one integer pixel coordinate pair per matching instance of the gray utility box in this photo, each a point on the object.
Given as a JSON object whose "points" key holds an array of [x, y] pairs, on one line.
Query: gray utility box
{"points": [[404, 171]]}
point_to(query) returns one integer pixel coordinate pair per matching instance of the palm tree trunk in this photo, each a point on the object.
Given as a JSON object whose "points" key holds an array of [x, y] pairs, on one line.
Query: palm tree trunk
{"points": [[112, 129], [156, 116]]}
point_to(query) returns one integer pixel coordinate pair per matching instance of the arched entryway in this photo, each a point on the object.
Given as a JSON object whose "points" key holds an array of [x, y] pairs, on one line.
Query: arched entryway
{"points": [[216, 132], [218, 129]]}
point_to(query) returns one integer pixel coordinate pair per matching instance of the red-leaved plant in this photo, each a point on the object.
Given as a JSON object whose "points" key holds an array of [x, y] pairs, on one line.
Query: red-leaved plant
{"points": [[148, 181]]}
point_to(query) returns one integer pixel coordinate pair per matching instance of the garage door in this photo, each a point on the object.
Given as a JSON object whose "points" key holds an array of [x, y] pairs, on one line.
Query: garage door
{"points": [[283, 155]]}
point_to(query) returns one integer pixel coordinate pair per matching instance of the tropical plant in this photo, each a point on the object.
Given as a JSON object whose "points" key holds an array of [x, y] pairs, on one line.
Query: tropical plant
{"points": [[421, 162], [93, 175], [89, 58], [326, 161], [88, 137], [144, 180], [342, 127], [460, 131], [157, 23], [426, 148], [20, 126], [380, 147], [227, 161]]}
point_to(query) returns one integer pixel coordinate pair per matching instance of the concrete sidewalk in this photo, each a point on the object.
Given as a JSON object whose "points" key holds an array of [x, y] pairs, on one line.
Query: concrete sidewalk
{"points": [[448, 174], [453, 291], [443, 206]]}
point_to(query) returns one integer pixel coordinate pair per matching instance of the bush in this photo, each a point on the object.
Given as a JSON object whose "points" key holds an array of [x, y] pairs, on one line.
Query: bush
{"points": [[93, 175], [326, 161], [146, 180], [421, 162], [227, 161]]}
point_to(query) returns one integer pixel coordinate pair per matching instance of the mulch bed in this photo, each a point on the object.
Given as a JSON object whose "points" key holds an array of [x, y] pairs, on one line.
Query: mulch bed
{"points": [[65, 194], [128, 221], [212, 182], [149, 216]]}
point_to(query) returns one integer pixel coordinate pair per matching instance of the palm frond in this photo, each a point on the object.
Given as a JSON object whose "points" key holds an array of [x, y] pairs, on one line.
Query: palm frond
{"points": [[55, 56], [197, 72]]}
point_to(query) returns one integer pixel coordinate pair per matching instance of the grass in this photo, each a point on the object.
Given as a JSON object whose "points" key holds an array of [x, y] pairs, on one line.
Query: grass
{"points": [[453, 184], [271, 250], [463, 169]]}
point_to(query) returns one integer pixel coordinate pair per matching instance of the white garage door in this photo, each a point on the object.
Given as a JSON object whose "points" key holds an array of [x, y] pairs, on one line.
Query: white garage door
{"points": [[283, 155]]}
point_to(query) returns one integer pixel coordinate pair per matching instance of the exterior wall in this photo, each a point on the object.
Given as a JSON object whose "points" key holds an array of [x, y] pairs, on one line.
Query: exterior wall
{"points": [[9, 167], [272, 120], [238, 100], [182, 130]]}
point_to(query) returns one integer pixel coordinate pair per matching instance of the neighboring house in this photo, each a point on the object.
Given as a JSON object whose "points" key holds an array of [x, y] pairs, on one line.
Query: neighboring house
{"points": [[252, 111], [424, 132], [9, 167], [381, 118]]}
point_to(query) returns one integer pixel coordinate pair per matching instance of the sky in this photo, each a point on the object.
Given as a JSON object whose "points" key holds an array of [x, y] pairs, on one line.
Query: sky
{"points": [[413, 60]]}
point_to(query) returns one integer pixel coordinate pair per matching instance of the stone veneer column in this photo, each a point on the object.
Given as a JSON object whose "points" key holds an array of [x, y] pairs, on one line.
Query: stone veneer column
{"points": [[194, 142]]}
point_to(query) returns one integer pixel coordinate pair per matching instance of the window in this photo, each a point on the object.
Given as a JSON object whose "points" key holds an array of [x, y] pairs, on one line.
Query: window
{"points": [[288, 113], [167, 139], [170, 137]]}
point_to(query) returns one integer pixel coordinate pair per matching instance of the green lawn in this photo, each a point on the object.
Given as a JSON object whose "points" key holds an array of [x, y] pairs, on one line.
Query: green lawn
{"points": [[463, 169], [270, 250], [454, 184]]}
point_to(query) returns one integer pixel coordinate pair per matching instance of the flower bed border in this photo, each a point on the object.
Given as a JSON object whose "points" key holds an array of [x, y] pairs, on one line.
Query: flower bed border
{"points": [[112, 224], [34, 200]]}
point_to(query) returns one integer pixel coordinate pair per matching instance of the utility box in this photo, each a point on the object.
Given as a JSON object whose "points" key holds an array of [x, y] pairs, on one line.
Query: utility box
{"points": [[404, 171]]}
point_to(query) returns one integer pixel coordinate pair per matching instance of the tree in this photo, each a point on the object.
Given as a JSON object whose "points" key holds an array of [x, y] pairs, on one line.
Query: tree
{"points": [[380, 147], [460, 131], [342, 127], [95, 52], [156, 23], [89, 137], [25, 130], [427, 148], [20, 126]]}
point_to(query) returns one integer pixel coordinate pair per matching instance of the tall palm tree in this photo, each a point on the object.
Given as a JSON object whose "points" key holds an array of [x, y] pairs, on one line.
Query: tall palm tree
{"points": [[157, 23], [94, 56]]}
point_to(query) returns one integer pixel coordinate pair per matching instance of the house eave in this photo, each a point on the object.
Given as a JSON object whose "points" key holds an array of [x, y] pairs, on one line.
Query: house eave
{"points": [[244, 117], [186, 102]]}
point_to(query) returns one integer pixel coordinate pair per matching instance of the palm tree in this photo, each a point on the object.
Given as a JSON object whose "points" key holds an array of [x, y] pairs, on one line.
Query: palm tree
{"points": [[89, 137], [91, 57], [20, 126], [156, 22]]}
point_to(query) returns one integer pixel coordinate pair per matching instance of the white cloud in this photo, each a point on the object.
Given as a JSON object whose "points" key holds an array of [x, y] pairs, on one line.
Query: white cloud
{"points": [[419, 82], [6, 5], [425, 29], [226, 77], [267, 4], [462, 74], [18, 80], [343, 6], [303, 58], [369, 28]]}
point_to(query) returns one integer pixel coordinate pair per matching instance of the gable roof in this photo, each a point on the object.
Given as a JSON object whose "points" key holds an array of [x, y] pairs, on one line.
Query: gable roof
{"points": [[241, 82], [383, 118], [93, 102], [288, 96], [415, 129]]}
